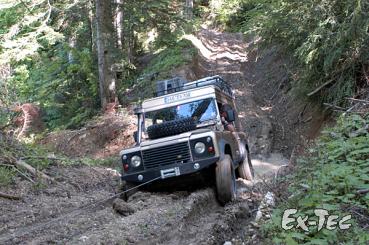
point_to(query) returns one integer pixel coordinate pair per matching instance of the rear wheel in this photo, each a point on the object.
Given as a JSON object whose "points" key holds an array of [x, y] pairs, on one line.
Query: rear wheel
{"points": [[225, 180], [246, 170]]}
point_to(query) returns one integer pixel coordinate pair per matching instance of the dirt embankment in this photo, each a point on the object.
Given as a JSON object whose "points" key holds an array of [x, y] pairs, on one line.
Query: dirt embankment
{"points": [[275, 119], [105, 136], [62, 213]]}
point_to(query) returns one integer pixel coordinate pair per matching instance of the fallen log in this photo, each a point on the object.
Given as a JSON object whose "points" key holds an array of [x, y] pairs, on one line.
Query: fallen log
{"points": [[358, 100], [320, 87], [335, 107], [8, 196], [362, 191], [22, 164]]}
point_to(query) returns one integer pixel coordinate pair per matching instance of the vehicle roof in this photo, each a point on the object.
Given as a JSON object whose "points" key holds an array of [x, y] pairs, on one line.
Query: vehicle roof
{"points": [[207, 87]]}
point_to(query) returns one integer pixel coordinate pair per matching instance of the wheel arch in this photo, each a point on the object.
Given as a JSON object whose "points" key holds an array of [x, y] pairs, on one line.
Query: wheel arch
{"points": [[228, 150], [225, 148]]}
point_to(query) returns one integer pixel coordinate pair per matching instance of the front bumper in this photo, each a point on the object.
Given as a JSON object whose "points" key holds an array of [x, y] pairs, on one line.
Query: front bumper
{"points": [[181, 169]]}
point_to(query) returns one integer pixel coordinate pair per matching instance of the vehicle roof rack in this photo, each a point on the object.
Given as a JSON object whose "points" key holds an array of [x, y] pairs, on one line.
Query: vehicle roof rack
{"points": [[214, 80]]}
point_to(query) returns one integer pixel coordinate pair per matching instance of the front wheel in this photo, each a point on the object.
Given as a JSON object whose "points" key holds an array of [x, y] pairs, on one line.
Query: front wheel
{"points": [[225, 180], [246, 170]]}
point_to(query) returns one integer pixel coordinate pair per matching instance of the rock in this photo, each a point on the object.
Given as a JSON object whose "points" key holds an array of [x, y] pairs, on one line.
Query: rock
{"points": [[122, 207], [227, 243], [130, 239], [83, 238], [243, 211]]}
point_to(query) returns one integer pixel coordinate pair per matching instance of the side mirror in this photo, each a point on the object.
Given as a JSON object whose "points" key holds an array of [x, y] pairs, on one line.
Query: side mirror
{"points": [[230, 116], [135, 135]]}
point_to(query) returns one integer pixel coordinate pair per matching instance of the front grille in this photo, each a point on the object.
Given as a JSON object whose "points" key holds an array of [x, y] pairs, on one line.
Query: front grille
{"points": [[166, 155]]}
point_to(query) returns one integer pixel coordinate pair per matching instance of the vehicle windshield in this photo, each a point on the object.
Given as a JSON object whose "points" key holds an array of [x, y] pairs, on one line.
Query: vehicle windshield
{"points": [[200, 110]]}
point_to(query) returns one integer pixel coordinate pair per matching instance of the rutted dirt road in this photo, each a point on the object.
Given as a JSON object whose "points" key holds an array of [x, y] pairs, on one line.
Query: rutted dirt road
{"points": [[158, 218]]}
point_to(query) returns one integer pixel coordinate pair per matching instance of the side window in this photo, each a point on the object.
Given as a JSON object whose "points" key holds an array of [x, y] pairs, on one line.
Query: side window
{"points": [[228, 117], [219, 106]]}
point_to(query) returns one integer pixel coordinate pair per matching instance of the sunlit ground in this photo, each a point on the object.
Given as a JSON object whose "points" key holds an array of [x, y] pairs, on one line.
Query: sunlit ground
{"points": [[7, 3], [215, 54], [266, 167]]}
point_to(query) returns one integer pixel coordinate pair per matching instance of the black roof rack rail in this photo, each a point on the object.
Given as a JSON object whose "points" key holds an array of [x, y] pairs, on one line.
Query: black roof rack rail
{"points": [[214, 80]]}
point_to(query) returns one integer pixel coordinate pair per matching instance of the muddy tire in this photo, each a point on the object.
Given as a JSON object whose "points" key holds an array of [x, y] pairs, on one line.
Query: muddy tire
{"points": [[124, 186], [171, 128], [225, 180], [246, 170]]}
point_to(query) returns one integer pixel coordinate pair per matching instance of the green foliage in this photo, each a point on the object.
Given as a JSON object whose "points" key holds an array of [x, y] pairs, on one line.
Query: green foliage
{"points": [[107, 162], [162, 65], [161, 18], [9, 17], [329, 39], [240, 15], [336, 170], [46, 68], [11, 149], [7, 175], [171, 57], [51, 52]]}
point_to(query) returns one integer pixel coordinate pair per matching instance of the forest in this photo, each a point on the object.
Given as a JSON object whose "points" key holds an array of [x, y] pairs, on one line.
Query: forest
{"points": [[71, 72]]}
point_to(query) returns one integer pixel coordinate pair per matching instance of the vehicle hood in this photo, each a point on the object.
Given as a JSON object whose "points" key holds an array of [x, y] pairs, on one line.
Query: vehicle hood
{"points": [[166, 140], [177, 137]]}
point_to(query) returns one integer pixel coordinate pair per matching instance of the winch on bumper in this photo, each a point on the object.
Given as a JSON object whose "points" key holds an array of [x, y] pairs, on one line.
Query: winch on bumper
{"points": [[168, 160], [170, 171]]}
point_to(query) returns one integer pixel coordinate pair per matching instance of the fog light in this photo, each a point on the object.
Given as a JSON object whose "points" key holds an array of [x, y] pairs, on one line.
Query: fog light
{"points": [[196, 166], [140, 177]]}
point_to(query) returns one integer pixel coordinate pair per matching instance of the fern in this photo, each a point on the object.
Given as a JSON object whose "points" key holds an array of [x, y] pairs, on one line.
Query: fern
{"points": [[338, 167]]}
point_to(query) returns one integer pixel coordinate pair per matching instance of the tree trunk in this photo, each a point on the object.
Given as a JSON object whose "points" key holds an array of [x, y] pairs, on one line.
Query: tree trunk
{"points": [[189, 9], [92, 27], [72, 44], [119, 23], [105, 52]]}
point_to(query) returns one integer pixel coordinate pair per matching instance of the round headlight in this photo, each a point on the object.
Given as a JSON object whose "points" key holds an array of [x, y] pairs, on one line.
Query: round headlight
{"points": [[199, 147], [136, 161]]}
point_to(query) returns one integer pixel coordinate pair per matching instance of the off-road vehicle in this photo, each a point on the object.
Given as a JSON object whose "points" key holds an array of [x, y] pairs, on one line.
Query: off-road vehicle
{"points": [[187, 128]]}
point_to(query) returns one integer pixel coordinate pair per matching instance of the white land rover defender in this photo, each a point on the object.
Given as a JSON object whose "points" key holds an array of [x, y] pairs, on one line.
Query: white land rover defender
{"points": [[185, 129]]}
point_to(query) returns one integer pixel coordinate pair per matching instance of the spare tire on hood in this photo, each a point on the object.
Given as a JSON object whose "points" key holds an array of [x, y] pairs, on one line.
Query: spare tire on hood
{"points": [[169, 128]]}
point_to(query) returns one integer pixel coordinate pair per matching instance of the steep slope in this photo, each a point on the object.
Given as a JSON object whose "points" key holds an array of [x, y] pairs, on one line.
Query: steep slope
{"points": [[54, 214]]}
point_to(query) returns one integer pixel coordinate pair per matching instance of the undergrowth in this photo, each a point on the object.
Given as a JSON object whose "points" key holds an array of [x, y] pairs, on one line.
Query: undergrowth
{"points": [[161, 66], [329, 178], [12, 150], [328, 40], [6, 175], [171, 57], [39, 158]]}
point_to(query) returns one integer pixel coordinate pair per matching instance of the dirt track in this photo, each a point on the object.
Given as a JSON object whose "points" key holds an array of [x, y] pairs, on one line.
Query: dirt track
{"points": [[52, 215], [159, 218]]}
